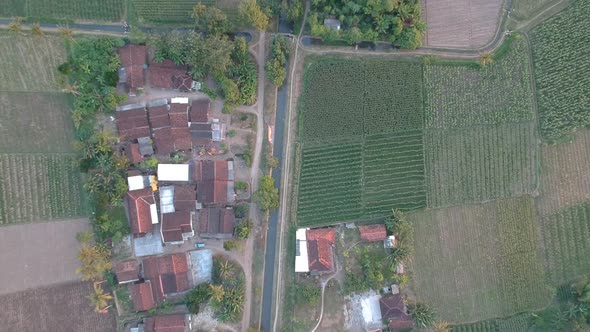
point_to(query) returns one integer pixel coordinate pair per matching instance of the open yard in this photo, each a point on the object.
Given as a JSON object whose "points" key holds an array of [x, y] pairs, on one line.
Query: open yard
{"points": [[39, 254], [97, 10], [29, 64], [61, 308], [461, 23], [479, 261]]}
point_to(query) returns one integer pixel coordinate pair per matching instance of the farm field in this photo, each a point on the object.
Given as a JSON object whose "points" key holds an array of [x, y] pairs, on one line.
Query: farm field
{"points": [[61, 308], [179, 11], [462, 23], [30, 64], [362, 141], [481, 163], [565, 243], [562, 71], [37, 187], [97, 10], [460, 96], [515, 323], [35, 122], [525, 9], [565, 179], [479, 261]]}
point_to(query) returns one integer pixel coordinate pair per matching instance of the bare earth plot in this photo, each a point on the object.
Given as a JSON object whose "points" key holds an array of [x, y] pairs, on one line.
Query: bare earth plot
{"points": [[62, 308], [39, 254], [461, 23], [29, 63], [479, 261], [565, 179]]}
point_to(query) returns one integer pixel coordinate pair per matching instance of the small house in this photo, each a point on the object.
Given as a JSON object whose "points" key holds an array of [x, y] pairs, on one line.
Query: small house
{"points": [[217, 222], [168, 323], [143, 213], [320, 250], [142, 296], [168, 275], [127, 271], [163, 75], [215, 181], [373, 233], [132, 71], [394, 312]]}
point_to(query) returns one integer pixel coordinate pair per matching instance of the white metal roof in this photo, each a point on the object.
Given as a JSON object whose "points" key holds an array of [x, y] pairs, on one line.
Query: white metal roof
{"points": [[179, 100], [173, 172], [154, 213], [135, 182], [167, 199], [301, 262]]}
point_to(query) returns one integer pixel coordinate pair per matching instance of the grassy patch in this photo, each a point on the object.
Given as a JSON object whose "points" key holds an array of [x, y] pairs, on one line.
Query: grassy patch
{"points": [[101, 10], [480, 261], [124, 300], [525, 9]]}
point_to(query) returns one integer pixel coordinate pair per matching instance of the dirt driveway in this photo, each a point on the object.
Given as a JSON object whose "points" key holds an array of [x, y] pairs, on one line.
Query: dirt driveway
{"points": [[39, 254]]}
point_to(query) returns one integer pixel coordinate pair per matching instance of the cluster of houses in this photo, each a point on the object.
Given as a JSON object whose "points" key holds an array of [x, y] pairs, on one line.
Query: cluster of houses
{"points": [[315, 254], [175, 202]]}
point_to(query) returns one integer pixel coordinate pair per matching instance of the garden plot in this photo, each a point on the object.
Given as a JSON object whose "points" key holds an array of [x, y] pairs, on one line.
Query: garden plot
{"points": [[480, 261]]}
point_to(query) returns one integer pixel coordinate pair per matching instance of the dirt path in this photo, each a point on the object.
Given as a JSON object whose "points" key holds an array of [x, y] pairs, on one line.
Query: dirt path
{"points": [[324, 283]]}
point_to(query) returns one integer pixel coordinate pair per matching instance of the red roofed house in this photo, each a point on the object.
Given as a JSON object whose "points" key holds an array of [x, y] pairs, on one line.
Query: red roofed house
{"points": [[320, 250], [373, 233], [133, 61], [142, 296], [158, 116], [393, 311], [199, 111], [168, 323], [177, 227], [132, 123], [161, 75], [215, 181], [133, 153], [142, 211], [177, 204], [217, 223], [168, 274], [127, 271]]}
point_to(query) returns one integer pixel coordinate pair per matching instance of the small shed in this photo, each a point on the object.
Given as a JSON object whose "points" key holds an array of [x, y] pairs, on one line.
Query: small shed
{"points": [[332, 23]]}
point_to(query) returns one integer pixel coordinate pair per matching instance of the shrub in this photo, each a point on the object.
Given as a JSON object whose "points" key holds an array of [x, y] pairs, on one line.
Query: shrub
{"points": [[243, 228], [267, 196], [241, 210], [231, 245], [196, 296], [240, 185], [231, 133]]}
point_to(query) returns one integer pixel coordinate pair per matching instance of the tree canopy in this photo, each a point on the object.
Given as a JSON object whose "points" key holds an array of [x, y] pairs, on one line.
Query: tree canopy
{"points": [[252, 14], [267, 195]]}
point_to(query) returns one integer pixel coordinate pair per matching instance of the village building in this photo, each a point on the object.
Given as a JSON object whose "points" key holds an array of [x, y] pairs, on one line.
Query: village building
{"points": [[315, 248], [301, 259], [373, 233], [132, 71], [215, 181], [168, 275], [165, 74], [217, 222], [199, 111], [183, 83], [143, 213], [127, 271], [168, 323], [177, 204], [132, 122], [173, 172], [142, 296], [394, 312]]}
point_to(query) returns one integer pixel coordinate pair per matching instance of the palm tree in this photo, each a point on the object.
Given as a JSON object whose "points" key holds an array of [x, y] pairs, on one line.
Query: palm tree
{"points": [[66, 32], [16, 26], [486, 59], [99, 299], [36, 30], [226, 269], [217, 292]]}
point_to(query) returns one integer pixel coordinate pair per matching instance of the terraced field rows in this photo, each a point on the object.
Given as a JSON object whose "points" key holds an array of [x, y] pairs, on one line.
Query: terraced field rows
{"points": [[515, 323], [167, 11], [39, 187], [480, 163], [393, 173], [102, 10], [565, 238]]}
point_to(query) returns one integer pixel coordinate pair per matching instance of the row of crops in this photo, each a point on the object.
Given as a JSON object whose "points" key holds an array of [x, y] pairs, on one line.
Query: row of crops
{"points": [[480, 163], [562, 71], [167, 11], [566, 243], [461, 96], [39, 187], [101, 10], [515, 323]]}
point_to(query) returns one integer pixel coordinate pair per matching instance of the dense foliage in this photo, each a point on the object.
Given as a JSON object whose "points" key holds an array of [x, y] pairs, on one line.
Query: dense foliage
{"points": [[267, 195], [243, 229], [241, 210], [398, 22], [275, 66], [253, 14], [423, 315], [197, 296]]}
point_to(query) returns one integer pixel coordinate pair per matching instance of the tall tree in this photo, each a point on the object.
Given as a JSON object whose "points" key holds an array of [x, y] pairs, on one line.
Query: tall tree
{"points": [[99, 299], [210, 20], [252, 14]]}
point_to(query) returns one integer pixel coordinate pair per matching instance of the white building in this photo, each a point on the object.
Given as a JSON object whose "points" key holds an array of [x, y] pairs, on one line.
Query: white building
{"points": [[301, 261], [173, 172]]}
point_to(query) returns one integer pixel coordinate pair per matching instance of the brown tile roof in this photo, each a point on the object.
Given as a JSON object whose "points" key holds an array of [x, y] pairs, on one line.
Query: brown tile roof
{"points": [[168, 323], [217, 222], [199, 111], [133, 55], [142, 296], [373, 233], [185, 198], [182, 139], [161, 74], [163, 141], [213, 181], [159, 117], [132, 124], [133, 154], [179, 115], [182, 83], [175, 224], [169, 274], [135, 78], [127, 271], [139, 202], [393, 309], [319, 249]]}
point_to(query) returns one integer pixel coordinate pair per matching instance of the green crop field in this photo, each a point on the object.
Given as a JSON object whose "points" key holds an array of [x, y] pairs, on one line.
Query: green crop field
{"points": [[37, 187], [565, 239], [101, 10], [178, 11], [30, 64], [362, 141], [481, 163], [515, 323], [526, 9], [461, 96], [562, 71], [479, 261]]}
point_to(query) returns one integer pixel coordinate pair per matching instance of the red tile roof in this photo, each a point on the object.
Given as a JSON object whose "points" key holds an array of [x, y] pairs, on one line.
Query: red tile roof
{"points": [[168, 323], [132, 124], [142, 296], [127, 271], [133, 154], [213, 181], [175, 224], [169, 274], [373, 233], [135, 78], [161, 74], [133, 59], [319, 249], [139, 202], [393, 309], [199, 111], [217, 222], [182, 83], [163, 141], [182, 139], [185, 198]]}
